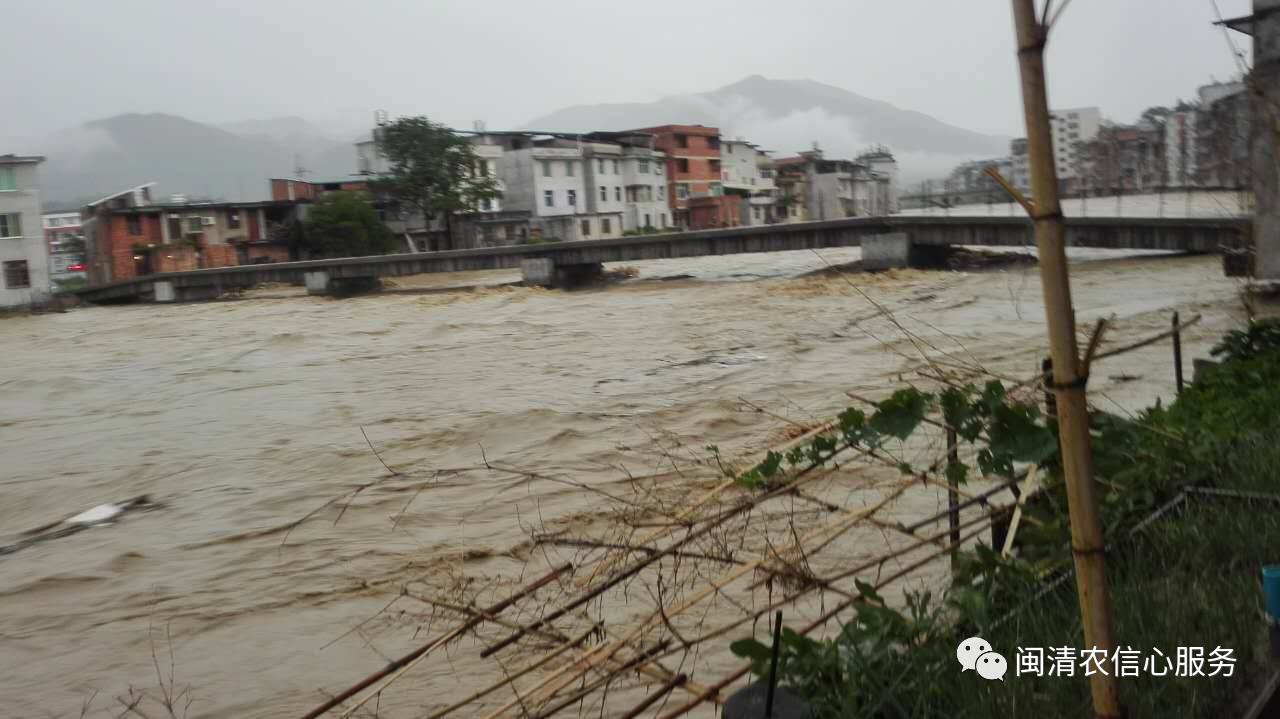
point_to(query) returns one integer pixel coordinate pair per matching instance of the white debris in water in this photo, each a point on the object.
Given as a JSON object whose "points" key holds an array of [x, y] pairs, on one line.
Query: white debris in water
{"points": [[97, 515]]}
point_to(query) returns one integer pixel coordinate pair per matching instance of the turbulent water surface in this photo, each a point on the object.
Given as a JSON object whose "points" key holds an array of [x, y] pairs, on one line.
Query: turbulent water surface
{"points": [[240, 418]]}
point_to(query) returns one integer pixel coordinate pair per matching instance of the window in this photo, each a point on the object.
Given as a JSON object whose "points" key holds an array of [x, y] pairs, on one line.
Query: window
{"points": [[546, 168], [134, 224], [729, 148], [646, 221], [8, 179], [605, 227], [755, 212], [586, 227], [617, 194], [233, 221], [604, 194], [616, 171], [195, 226], [715, 189], [657, 168], [682, 165], [682, 192], [664, 220], [715, 166], [15, 274], [485, 205], [642, 166], [601, 161], [657, 193], [713, 142], [11, 225], [568, 170], [573, 198], [682, 140], [549, 198]]}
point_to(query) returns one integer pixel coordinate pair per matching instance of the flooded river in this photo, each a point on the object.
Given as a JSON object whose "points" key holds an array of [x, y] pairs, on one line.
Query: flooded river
{"points": [[242, 417]]}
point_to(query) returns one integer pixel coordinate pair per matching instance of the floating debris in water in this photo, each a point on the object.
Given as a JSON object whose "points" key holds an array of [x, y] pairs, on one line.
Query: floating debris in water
{"points": [[92, 517]]}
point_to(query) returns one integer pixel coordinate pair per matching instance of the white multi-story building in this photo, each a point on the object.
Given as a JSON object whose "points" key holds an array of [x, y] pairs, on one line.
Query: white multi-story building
{"points": [[547, 177], [626, 174], [884, 172], [24, 257], [605, 191], [1069, 130], [645, 182], [65, 239], [747, 170], [1180, 149]]}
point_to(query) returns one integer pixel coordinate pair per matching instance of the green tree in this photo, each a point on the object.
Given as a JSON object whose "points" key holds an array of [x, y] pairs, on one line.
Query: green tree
{"points": [[434, 171], [1157, 114], [344, 224]]}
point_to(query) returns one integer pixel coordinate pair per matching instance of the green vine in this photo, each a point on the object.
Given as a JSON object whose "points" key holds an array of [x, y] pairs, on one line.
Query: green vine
{"points": [[1013, 433]]}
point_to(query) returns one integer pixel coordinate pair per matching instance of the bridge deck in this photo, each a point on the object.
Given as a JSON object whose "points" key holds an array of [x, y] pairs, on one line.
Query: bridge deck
{"points": [[1188, 235]]}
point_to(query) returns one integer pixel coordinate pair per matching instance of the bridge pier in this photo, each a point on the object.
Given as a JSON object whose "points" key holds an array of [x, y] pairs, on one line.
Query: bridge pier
{"points": [[322, 282], [164, 291], [546, 272], [899, 250]]}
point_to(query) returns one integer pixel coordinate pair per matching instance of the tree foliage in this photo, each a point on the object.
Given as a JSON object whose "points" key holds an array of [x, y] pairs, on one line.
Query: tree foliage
{"points": [[433, 170], [344, 224]]}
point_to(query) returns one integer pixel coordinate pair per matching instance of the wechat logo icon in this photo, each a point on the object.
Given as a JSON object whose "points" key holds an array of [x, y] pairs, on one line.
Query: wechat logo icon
{"points": [[975, 653]]}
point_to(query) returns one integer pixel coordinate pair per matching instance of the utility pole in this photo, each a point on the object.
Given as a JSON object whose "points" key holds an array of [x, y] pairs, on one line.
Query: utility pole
{"points": [[1069, 374]]}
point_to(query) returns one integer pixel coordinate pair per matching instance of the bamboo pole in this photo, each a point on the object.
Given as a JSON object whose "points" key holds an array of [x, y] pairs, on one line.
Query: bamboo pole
{"points": [[408, 660], [1069, 385]]}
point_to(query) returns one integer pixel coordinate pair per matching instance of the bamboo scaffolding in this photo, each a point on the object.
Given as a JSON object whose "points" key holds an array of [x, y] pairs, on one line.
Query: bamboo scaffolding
{"points": [[417, 655], [686, 557], [550, 683]]}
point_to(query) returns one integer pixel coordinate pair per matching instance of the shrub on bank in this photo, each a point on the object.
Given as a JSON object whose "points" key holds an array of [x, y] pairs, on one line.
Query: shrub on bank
{"points": [[1188, 579]]}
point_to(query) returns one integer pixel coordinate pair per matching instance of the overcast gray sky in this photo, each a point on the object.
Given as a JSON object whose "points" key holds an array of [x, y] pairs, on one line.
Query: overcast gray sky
{"points": [[507, 61]]}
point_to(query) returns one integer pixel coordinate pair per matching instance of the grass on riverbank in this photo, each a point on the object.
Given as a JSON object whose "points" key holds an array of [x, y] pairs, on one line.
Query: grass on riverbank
{"points": [[1188, 579]]}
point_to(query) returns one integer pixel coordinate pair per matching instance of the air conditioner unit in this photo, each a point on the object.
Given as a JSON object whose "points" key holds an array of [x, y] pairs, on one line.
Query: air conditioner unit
{"points": [[209, 221]]}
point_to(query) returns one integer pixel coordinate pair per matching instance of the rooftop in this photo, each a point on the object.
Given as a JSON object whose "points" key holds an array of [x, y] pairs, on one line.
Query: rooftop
{"points": [[206, 205], [328, 181], [12, 159]]}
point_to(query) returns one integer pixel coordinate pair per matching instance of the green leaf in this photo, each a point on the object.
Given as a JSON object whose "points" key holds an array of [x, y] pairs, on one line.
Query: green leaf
{"points": [[751, 649], [852, 419], [769, 467], [795, 456], [750, 479], [866, 591], [899, 415], [957, 473]]}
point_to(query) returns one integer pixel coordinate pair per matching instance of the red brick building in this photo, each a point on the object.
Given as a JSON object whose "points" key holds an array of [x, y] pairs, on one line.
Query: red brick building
{"points": [[289, 189], [129, 235], [694, 191]]}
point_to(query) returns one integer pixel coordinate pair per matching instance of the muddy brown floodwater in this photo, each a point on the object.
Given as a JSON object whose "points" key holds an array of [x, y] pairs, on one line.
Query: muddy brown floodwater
{"points": [[241, 417]]}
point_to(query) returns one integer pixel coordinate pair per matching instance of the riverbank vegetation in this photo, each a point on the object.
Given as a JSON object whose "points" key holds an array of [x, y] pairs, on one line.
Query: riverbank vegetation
{"points": [[1190, 521]]}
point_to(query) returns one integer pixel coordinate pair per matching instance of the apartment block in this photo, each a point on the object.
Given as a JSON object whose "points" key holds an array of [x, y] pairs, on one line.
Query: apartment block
{"points": [[747, 171], [24, 263], [630, 174], [836, 189], [695, 190]]}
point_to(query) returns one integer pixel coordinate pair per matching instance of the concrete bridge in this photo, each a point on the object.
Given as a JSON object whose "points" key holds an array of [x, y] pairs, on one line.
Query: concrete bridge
{"points": [[893, 241]]}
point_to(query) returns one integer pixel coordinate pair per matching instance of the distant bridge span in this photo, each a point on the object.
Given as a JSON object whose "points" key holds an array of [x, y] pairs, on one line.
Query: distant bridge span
{"points": [[891, 239]]}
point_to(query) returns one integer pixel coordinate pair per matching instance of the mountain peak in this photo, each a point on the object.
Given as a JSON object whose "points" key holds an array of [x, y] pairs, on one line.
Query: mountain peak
{"points": [[789, 115]]}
